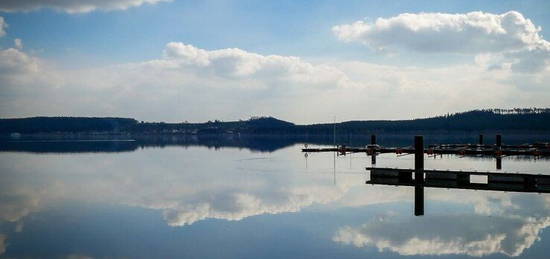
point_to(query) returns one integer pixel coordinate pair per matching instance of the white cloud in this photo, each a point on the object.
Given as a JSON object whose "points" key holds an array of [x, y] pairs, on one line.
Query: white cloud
{"points": [[14, 62], [194, 84], [471, 235], [18, 43], [440, 32], [72, 6], [20, 74], [237, 63], [534, 59], [190, 83], [509, 33], [221, 84], [3, 26]]}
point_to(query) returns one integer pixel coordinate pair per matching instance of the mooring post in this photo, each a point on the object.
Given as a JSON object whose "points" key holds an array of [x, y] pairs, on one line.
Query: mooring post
{"points": [[373, 155], [498, 152], [480, 139], [419, 176], [419, 159]]}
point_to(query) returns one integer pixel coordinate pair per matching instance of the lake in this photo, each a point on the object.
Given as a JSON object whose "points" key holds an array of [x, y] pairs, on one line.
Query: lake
{"points": [[250, 199]]}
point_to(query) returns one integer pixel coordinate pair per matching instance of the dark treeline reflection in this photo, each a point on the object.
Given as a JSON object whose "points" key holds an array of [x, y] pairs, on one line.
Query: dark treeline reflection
{"points": [[118, 144], [257, 143]]}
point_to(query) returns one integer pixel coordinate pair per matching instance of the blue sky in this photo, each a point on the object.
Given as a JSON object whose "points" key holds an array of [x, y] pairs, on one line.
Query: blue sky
{"points": [[298, 28], [65, 38]]}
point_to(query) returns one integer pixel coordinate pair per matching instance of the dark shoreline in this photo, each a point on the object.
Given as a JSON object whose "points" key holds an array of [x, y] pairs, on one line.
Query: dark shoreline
{"points": [[509, 122], [109, 142]]}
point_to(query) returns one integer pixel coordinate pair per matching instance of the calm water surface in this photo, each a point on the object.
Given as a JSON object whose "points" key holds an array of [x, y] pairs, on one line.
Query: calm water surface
{"points": [[182, 201]]}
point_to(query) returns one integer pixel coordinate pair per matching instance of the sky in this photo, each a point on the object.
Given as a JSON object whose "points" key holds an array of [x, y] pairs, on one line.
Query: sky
{"points": [[301, 61]]}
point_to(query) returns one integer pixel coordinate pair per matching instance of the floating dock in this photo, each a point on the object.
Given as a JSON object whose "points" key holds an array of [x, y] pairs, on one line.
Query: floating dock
{"points": [[498, 149], [494, 181], [420, 178]]}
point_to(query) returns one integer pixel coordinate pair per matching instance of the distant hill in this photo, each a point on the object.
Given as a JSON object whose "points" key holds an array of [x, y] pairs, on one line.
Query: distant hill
{"points": [[477, 120], [534, 119], [268, 122]]}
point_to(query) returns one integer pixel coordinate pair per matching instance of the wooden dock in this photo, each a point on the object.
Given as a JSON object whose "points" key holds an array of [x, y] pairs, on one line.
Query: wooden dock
{"points": [[420, 178], [498, 149], [495, 181]]}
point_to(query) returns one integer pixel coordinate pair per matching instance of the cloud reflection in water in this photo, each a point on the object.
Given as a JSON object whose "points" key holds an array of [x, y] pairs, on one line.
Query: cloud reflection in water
{"points": [[189, 185]]}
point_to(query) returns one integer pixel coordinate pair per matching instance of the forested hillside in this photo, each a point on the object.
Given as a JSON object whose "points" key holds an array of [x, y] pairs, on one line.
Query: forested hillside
{"points": [[477, 120]]}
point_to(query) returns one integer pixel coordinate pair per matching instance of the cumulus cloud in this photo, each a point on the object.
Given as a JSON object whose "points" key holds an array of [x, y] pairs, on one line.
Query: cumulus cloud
{"points": [[20, 73], [510, 34], [14, 61], [3, 26], [434, 32], [472, 235], [189, 75], [72, 6], [237, 63], [190, 83], [18, 43]]}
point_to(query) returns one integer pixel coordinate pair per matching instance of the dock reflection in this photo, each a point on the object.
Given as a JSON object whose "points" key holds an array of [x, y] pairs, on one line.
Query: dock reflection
{"points": [[420, 178], [491, 181]]}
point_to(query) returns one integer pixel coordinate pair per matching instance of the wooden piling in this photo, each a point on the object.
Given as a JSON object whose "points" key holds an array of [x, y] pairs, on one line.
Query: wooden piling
{"points": [[419, 158], [419, 175], [373, 155]]}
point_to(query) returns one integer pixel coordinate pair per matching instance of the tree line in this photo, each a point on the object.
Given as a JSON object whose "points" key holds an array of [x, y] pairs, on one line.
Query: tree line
{"points": [[531, 119]]}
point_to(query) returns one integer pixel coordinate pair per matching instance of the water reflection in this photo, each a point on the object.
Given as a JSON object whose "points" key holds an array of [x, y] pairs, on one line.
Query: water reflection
{"points": [[2, 243], [506, 224], [469, 234], [186, 184], [177, 200]]}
